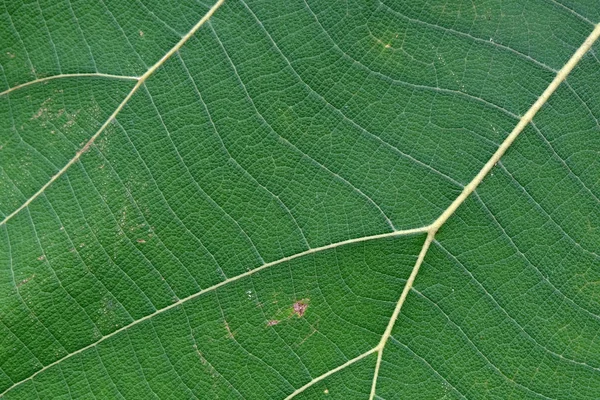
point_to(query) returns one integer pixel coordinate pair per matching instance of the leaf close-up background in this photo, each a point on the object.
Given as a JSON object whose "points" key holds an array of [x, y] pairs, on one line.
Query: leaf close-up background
{"points": [[299, 199]]}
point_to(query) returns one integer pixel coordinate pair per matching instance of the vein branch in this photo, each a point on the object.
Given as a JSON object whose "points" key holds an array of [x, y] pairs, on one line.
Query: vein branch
{"points": [[388, 330], [523, 122], [223, 283], [430, 230], [330, 372], [470, 188], [65, 76], [139, 83]]}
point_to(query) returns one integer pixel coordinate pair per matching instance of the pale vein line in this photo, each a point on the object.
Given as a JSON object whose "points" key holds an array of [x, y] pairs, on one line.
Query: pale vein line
{"points": [[139, 83], [454, 259], [572, 11], [339, 111], [469, 36], [431, 367], [406, 83], [63, 76], [290, 144], [233, 160], [223, 283]]}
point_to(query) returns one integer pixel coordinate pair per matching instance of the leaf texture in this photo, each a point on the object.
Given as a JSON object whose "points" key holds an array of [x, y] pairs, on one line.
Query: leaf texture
{"points": [[299, 199]]}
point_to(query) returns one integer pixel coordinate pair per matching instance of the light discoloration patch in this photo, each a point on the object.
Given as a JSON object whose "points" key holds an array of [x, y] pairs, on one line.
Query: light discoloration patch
{"points": [[24, 281], [43, 110], [209, 368], [230, 334], [71, 118]]}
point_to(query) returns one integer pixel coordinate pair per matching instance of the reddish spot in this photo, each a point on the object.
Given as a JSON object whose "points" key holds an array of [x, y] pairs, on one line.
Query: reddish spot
{"points": [[300, 307], [273, 322]]}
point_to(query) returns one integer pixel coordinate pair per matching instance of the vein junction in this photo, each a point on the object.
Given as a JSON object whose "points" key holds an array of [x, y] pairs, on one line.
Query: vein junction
{"points": [[431, 229], [470, 188]]}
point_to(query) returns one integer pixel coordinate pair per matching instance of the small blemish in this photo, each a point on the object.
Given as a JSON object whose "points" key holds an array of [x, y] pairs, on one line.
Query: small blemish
{"points": [[24, 281], [300, 307], [273, 322], [230, 334]]}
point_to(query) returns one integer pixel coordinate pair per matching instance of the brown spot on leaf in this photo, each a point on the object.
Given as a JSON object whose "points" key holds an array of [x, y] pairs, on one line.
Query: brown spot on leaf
{"points": [[141, 241], [273, 322], [41, 258], [300, 307]]}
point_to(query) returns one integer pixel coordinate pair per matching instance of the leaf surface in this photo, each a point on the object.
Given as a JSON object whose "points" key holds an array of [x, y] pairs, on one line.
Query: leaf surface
{"points": [[308, 199]]}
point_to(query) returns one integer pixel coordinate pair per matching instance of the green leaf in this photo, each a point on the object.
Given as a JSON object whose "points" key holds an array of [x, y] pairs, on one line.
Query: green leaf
{"points": [[308, 199]]}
